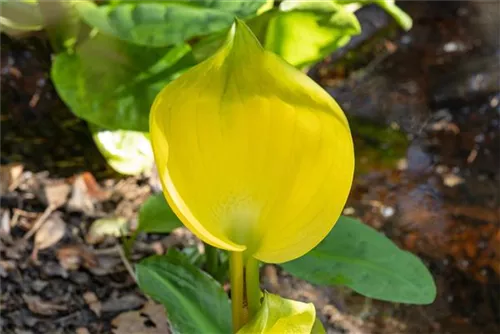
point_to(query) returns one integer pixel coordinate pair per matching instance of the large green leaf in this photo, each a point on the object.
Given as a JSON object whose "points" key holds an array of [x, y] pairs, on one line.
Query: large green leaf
{"points": [[239, 8], [280, 315], [304, 32], [163, 23], [156, 216], [195, 302], [20, 15], [356, 255], [112, 83]]}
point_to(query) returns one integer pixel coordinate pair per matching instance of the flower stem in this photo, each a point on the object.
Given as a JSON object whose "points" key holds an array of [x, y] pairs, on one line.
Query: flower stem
{"points": [[237, 279], [252, 286]]}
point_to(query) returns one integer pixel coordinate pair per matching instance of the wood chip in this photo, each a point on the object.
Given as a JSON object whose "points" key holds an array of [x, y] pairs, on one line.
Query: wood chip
{"points": [[82, 330], [5, 222], [10, 175], [93, 302], [71, 257], [452, 180]]}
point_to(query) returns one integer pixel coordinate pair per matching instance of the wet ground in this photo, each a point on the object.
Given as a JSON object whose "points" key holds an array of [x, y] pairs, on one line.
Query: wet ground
{"points": [[424, 110], [426, 117]]}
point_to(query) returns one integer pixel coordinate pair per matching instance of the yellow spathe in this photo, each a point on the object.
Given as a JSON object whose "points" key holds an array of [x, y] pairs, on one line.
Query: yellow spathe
{"points": [[253, 155]]}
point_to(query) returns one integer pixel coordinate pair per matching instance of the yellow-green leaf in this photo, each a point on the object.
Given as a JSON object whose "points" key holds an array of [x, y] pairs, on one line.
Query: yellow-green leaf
{"points": [[127, 152], [278, 315], [20, 16], [304, 32], [399, 15]]}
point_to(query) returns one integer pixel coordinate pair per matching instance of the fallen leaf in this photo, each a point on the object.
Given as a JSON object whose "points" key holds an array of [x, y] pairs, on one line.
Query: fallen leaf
{"points": [[93, 188], [139, 322], [101, 228], [38, 306], [80, 199], [50, 232], [54, 192]]}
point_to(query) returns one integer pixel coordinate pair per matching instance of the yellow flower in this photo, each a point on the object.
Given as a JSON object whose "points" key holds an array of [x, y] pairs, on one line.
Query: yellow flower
{"points": [[253, 155]]}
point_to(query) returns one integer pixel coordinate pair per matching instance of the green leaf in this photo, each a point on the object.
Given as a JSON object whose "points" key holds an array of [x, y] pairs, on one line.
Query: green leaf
{"points": [[239, 8], [158, 23], [304, 32], [112, 83], [156, 216], [356, 255], [403, 19], [127, 152], [20, 15], [195, 302], [280, 315]]}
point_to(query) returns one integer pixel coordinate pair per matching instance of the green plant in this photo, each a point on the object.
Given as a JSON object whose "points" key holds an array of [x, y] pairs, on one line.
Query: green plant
{"points": [[113, 58], [255, 158]]}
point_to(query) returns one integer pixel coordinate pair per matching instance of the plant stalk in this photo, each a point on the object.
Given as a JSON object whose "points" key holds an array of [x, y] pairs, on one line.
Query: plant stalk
{"points": [[245, 288], [237, 280], [252, 279]]}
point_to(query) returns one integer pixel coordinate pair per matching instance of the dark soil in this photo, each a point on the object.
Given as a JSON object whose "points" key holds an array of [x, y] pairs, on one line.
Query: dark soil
{"points": [[424, 110]]}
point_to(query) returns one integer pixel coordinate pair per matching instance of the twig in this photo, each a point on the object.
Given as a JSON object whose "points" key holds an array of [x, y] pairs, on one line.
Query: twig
{"points": [[125, 261], [39, 222]]}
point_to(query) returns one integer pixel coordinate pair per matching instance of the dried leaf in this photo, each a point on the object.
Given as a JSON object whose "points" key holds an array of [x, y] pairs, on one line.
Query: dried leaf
{"points": [[54, 193], [103, 227], [50, 232], [38, 306], [94, 189], [82, 199], [138, 322]]}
